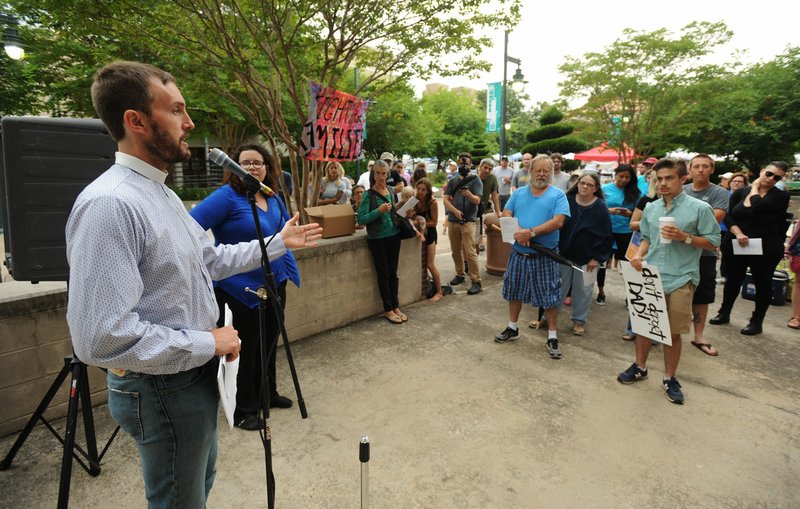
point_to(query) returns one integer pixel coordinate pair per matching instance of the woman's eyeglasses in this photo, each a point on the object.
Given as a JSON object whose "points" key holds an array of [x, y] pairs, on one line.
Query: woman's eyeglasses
{"points": [[773, 176], [254, 164]]}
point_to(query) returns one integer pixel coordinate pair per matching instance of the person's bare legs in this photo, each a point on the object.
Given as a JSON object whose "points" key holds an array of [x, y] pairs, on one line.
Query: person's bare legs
{"points": [[437, 279], [552, 318], [672, 355], [643, 345], [700, 312], [514, 308]]}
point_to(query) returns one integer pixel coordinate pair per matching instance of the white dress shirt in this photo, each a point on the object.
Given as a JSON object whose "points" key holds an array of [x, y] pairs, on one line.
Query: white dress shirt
{"points": [[140, 291]]}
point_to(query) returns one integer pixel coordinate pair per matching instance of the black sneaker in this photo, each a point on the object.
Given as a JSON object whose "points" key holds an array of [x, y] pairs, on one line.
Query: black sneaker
{"points": [[475, 288], [457, 280], [673, 389], [600, 300], [552, 348], [507, 335], [250, 423], [632, 374]]}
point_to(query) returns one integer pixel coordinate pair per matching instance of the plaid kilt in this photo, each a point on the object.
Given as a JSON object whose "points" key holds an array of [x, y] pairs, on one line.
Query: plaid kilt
{"points": [[534, 280]]}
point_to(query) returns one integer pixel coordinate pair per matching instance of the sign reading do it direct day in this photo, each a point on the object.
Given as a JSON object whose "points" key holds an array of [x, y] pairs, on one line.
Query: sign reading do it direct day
{"points": [[336, 124], [647, 305]]}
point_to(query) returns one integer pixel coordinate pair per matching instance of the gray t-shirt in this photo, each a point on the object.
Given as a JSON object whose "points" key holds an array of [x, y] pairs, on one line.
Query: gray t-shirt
{"points": [[521, 178], [561, 181], [467, 208], [500, 174], [716, 196]]}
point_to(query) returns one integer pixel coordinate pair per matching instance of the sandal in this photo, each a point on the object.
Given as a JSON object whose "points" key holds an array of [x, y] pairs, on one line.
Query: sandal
{"points": [[705, 348], [629, 337], [794, 323], [401, 315], [393, 319]]}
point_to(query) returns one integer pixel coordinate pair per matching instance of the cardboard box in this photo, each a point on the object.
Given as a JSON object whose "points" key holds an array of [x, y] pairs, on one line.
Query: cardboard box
{"points": [[336, 220]]}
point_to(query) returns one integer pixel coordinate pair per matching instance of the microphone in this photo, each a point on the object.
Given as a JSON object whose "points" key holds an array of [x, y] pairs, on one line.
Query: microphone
{"points": [[251, 183]]}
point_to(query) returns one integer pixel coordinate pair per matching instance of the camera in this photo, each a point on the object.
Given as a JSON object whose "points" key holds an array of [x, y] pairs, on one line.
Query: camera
{"points": [[463, 166]]}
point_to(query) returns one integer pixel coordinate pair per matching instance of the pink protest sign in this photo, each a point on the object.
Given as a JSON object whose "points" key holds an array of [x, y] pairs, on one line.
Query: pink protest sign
{"points": [[336, 125]]}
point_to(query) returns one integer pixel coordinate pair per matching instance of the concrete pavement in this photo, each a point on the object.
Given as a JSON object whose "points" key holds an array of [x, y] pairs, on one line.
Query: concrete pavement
{"points": [[457, 420]]}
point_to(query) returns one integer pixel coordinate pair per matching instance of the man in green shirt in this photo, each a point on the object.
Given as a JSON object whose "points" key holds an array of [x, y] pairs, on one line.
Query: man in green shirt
{"points": [[491, 190], [695, 228]]}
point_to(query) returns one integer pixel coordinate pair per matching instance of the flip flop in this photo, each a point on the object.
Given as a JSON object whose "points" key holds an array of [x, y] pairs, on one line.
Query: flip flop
{"points": [[705, 348], [794, 323], [393, 319], [402, 316]]}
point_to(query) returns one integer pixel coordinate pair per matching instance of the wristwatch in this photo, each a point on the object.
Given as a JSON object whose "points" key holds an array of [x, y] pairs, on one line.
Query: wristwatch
{"points": [[533, 233], [688, 240]]}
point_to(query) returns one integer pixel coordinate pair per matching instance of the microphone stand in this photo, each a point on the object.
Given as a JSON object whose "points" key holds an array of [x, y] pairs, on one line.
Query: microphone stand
{"points": [[268, 296]]}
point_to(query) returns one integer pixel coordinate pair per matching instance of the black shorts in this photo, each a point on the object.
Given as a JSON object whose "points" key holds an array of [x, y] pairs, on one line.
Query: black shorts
{"points": [[707, 287], [431, 235]]}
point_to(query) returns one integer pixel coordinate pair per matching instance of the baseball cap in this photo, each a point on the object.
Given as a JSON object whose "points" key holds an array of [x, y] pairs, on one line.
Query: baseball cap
{"points": [[387, 156], [727, 175], [650, 160]]}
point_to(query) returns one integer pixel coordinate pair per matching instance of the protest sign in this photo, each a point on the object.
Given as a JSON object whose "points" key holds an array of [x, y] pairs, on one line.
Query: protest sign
{"points": [[647, 305], [336, 125]]}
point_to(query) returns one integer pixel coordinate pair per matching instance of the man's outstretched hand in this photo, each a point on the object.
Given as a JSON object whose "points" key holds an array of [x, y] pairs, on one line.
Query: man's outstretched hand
{"points": [[295, 236]]}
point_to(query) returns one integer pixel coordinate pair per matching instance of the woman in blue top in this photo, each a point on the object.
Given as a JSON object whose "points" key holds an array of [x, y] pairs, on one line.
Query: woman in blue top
{"points": [[228, 214], [622, 195]]}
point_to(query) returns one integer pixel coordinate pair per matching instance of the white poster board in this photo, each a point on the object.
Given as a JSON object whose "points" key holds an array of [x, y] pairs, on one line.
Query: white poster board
{"points": [[647, 305]]}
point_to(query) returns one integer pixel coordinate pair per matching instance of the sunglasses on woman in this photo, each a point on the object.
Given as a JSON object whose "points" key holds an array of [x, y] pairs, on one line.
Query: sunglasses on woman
{"points": [[773, 176]]}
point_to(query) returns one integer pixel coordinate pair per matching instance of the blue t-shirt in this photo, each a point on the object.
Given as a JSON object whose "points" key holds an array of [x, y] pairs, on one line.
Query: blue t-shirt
{"points": [[533, 210], [228, 215], [643, 184], [615, 197]]}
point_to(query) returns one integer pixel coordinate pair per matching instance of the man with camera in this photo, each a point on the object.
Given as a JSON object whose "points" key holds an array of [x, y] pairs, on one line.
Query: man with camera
{"points": [[461, 199]]}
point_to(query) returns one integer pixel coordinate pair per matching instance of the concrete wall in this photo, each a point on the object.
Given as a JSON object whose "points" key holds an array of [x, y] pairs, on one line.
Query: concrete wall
{"points": [[338, 287]]}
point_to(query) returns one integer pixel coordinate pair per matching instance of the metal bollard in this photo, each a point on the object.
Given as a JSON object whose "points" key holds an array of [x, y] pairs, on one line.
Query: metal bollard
{"points": [[363, 456]]}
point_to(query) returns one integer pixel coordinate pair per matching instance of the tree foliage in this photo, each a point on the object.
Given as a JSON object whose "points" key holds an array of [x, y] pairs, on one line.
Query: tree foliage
{"points": [[641, 89], [553, 135], [259, 54], [458, 119]]}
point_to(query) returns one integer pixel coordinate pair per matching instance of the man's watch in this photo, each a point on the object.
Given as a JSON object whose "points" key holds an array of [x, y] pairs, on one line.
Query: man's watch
{"points": [[533, 233], [688, 240]]}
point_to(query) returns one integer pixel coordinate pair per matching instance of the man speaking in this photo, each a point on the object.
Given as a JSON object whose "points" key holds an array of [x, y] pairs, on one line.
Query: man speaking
{"points": [[141, 301]]}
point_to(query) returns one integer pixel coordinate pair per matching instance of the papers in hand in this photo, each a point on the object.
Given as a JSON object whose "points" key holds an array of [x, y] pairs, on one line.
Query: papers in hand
{"points": [[226, 378], [753, 247], [509, 226], [411, 202]]}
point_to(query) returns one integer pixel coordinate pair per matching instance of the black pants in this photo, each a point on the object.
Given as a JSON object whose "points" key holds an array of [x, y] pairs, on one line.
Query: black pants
{"points": [[622, 240], [385, 255], [762, 267], [245, 321]]}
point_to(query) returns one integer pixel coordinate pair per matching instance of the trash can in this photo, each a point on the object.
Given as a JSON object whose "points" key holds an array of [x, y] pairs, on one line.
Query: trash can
{"points": [[497, 251], [780, 287]]}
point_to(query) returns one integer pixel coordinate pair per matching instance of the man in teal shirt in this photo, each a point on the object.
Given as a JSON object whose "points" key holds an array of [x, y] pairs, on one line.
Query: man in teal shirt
{"points": [[695, 229]]}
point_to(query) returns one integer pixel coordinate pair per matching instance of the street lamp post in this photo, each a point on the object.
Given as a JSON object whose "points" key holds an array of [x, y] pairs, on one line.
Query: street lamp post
{"points": [[518, 80], [12, 43]]}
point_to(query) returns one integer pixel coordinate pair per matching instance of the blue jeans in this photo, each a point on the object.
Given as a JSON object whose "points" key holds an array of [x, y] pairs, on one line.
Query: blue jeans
{"points": [[173, 419], [581, 295]]}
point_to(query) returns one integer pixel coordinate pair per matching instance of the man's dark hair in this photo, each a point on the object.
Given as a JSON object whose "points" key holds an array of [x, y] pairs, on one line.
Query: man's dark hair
{"points": [[122, 86], [781, 165], [669, 163], [504, 158], [271, 179], [465, 154], [557, 155]]}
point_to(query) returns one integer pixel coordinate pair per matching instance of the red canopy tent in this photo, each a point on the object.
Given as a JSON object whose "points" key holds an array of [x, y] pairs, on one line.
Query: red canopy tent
{"points": [[605, 154]]}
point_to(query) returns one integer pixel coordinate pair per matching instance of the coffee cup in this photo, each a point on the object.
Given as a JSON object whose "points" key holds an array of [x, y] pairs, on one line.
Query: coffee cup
{"points": [[665, 221]]}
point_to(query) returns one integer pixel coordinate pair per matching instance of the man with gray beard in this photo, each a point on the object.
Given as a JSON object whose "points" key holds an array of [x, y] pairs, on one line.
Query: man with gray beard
{"points": [[541, 210]]}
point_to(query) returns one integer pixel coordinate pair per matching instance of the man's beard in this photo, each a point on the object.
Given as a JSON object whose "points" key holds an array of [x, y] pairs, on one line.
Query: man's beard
{"points": [[541, 185], [164, 148]]}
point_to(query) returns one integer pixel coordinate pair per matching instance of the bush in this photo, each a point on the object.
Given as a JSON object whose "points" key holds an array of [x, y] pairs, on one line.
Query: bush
{"points": [[550, 116], [565, 145], [549, 131], [570, 165], [438, 178]]}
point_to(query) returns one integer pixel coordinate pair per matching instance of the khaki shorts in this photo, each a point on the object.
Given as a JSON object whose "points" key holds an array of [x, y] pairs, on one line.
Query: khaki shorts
{"points": [[679, 309]]}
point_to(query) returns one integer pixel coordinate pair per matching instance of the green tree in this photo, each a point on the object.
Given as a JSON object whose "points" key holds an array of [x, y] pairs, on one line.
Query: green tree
{"points": [[458, 122], [753, 116], [259, 55], [553, 135], [641, 89]]}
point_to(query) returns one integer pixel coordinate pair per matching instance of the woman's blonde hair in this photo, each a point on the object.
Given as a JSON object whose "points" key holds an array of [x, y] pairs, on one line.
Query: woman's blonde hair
{"points": [[339, 172]]}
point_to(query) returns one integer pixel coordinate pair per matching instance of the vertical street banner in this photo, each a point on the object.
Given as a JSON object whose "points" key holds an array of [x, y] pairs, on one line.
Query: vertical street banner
{"points": [[336, 125], [647, 305], [494, 97]]}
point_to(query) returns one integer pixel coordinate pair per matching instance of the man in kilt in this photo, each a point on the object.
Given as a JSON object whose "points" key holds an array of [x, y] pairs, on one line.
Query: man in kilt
{"points": [[530, 277]]}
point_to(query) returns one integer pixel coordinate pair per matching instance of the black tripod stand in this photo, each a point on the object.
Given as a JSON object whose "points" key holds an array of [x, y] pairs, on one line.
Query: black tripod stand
{"points": [[79, 393], [268, 296]]}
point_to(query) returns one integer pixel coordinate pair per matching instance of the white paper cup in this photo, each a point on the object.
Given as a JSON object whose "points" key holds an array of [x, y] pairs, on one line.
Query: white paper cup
{"points": [[665, 221]]}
